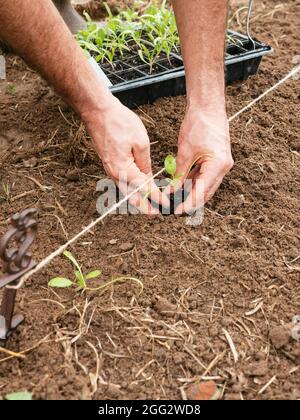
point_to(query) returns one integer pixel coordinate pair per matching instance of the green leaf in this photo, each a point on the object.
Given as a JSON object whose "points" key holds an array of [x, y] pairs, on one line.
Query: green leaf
{"points": [[80, 279], [141, 55], [60, 282], [93, 275], [70, 256], [19, 396], [87, 16], [170, 165]]}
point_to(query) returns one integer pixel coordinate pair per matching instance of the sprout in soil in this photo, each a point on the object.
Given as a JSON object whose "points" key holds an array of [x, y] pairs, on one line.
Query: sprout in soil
{"points": [[11, 89], [170, 168], [7, 190], [82, 279]]}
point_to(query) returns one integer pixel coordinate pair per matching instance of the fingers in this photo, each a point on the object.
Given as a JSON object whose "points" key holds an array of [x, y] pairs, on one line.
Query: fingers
{"points": [[224, 169], [195, 199], [206, 182], [139, 201], [140, 171], [132, 179], [183, 166], [142, 157]]}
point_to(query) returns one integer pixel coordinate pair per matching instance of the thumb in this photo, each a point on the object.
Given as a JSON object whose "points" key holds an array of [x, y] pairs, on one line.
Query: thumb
{"points": [[184, 162]]}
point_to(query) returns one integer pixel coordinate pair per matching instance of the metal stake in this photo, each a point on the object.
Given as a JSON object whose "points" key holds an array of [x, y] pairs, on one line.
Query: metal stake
{"points": [[14, 247]]}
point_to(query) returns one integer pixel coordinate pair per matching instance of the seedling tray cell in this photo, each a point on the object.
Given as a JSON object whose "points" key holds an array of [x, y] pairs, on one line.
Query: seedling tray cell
{"points": [[135, 85]]}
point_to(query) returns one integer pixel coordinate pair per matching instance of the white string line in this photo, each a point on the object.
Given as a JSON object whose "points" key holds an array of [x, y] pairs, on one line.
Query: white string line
{"points": [[250, 105], [61, 249]]}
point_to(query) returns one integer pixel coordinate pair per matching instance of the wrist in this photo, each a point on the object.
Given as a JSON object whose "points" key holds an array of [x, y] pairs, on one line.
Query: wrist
{"points": [[89, 95], [97, 106], [206, 104], [207, 94]]}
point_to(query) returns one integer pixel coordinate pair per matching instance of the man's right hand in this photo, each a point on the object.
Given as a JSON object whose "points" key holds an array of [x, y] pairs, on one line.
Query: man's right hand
{"points": [[122, 143]]}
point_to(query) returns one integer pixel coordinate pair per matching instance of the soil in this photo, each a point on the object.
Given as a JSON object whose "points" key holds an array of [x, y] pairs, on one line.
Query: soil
{"points": [[133, 68], [129, 66], [97, 11], [237, 274]]}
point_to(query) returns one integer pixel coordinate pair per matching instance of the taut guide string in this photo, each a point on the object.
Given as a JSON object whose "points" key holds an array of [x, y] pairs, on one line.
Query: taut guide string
{"points": [[62, 248]]}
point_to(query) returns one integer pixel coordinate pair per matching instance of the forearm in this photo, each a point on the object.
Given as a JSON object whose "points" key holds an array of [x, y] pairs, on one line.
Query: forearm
{"points": [[202, 25], [35, 30]]}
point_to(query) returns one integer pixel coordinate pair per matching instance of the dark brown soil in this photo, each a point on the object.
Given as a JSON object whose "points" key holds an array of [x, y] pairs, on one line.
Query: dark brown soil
{"points": [[97, 11], [131, 67], [237, 273]]}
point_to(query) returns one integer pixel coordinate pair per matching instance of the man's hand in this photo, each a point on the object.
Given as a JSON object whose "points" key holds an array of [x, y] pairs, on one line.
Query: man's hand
{"points": [[204, 137], [36, 30], [203, 141], [122, 143]]}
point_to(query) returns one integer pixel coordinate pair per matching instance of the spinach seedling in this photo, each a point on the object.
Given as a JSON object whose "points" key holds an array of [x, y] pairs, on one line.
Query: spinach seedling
{"points": [[170, 168], [81, 279]]}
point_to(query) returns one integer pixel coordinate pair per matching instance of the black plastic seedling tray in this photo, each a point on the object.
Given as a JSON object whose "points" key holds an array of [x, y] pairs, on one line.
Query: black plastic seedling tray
{"points": [[134, 86]]}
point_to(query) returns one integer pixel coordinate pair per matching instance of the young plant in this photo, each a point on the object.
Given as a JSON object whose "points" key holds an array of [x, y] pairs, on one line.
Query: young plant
{"points": [[171, 168], [81, 279], [11, 89], [149, 34], [7, 190], [148, 31], [149, 55]]}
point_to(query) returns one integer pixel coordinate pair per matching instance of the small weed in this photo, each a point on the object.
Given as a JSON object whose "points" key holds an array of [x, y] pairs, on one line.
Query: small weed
{"points": [[11, 88], [81, 280], [7, 190]]}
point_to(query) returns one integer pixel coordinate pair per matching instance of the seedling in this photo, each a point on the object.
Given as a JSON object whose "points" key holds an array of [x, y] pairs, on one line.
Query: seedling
{"points": [[149, 34], [11, 88], [81, 280], [170, 168], [7, 190], [172, 179]]}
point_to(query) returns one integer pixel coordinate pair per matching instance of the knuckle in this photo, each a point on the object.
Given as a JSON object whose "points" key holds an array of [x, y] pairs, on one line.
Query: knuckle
{"points": [[143, 145], [114, 173], [229, 164], [226, 164]]}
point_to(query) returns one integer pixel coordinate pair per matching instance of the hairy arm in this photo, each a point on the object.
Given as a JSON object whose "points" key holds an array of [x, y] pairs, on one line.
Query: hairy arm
{"points": [[204, 137], [35, 30]]}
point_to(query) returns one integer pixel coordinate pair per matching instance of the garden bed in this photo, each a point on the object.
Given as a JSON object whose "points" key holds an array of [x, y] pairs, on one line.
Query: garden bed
{"points": [[234, 273]]}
